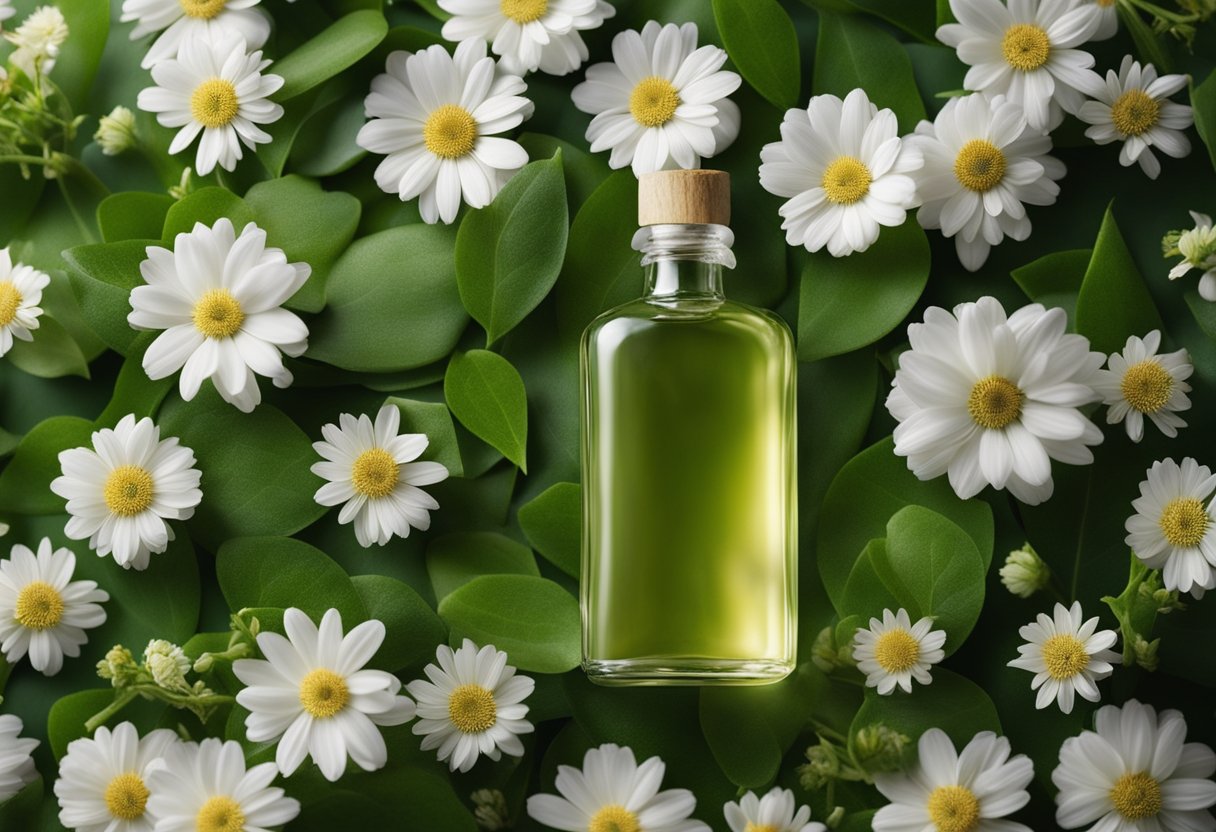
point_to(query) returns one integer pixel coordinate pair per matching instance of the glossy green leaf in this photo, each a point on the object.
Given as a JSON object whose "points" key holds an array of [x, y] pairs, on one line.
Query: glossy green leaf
{"points": [[760, 39], [134, 392], [22, 810], [1055, 279], [76, 64], [205, 206], [133, 215], [102, 279], [457, 558], [1203, 100], [435, 420], [487, 395], [951, 702], [51, 354], [25, 483], [326, 143], [865, 594], [853, 53], [412, 629], [283, 572], [583, 171], [552, 522], [337, 47], [1114, 302]]}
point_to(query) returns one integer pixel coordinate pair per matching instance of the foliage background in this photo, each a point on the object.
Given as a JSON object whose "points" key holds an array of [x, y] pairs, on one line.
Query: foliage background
{"points": [[397, 308]]}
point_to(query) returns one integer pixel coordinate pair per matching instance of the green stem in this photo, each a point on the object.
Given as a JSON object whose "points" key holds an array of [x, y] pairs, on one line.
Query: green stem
{"points": [[98, 719]]}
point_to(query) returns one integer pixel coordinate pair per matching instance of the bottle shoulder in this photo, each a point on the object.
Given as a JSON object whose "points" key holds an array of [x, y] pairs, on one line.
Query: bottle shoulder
{"points": [[725, 318]]}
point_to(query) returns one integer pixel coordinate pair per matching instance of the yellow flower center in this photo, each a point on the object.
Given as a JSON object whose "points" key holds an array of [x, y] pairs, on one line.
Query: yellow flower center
{"points": [[1106, 4], [994, 402], [653, 101], [1064, 656], [761, 827], [979, 166], [1135, 112], [614, 819], [214, 103], [450, 132], [202, 9], [323, 693], [217, 314], [10, 302], [1026, 47], [472, 710], [1136, 796], [846, 180], [126, 796], [128, 490], [1147, 386], [375, 473], [39, 606], [896, 651], [1184, 522], [954, 809], [220, 814], [524, 11]]}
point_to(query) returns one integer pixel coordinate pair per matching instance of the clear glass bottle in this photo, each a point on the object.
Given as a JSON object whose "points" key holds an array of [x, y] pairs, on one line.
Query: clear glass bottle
{"points": [[689, 572]]}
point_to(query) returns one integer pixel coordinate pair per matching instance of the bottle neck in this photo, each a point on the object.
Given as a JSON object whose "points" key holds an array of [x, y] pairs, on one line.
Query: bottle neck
{"points": [[684, 261]]}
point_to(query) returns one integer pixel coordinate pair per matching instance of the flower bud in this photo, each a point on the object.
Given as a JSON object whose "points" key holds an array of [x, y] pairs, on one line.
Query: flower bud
{"points": [[1024, 572], [116, 132]]}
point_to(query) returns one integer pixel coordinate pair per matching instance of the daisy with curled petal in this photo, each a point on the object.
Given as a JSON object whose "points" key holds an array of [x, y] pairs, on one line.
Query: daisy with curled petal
{"points": [[845, 171], [102, 785], [314, 697], [1140, 383], [1067, 656], [948, 791], [1026, 51], [611, 791], [1174, 527], [435, 116], [16, 765], [991, 400], [20, 293], [44, 612], [182, 20], [775, 812], [218, 297], [894, 651], [217, 89], [528, 34], [1132, 106], [374, 473], [983, 164], [662, 103], [204, 787], [1135, 772], [472, 705]]}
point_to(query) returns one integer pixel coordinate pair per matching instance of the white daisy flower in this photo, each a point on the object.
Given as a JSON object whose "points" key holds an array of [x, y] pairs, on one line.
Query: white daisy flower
{"points": [[102, 785], [6, 9], [372, 471], [845, 171], [1197, 246], [472, 705], [1135, 772], [528, 34], [662, 103], [182, 20], [20, 293], [16, 765], [219, 299], [1174, 527], [982, 165], [894, 651], [313, 696], [611, 791], [1026, 52], [38, 39], [1067, 656], [216, 89], [44, 612], [1132, 106], [772, 813], [122, 492], [435, 116], [968, 791], [990, 400], [204, 787], [1139, 383]]}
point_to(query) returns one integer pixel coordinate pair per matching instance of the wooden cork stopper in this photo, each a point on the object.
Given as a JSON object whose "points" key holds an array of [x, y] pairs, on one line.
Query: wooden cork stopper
{"points": [[684, 196]]}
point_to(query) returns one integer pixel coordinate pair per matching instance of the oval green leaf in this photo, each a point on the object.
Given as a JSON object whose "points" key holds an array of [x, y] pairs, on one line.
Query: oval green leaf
{"points": [[52, 353], [760, 38], [457, 558], [337, 47], [853, 53], [1114, 302], [282, 572], [487, 395], [102, 278], [412, 629], [25, 483], [553, 522]]}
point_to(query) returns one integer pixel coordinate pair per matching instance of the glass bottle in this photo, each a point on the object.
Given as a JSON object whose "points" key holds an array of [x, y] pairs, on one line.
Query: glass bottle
{"points": [[689, 571]]}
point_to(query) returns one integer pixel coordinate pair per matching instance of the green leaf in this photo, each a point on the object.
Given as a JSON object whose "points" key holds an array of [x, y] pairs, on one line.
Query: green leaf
{"points": [[205, 205], [1148, 45], [21, 811], [68, 714], [487, 395], [412, 629], [51, 354], [1114, 302], [1203, 100], [951, 702], [848, 302], [853, 53], [25, 483], [337, 47], [533, 619], [102, 279], [1204, 312], [76, 65], [552, 522], [865, 595], [435, 420], [760, 39], [326, 145], [916, 19], [282, 572], [457, 558], [509, 253], [392, 302], [584, 171], [133, 215], [1055, 279], [134, 392]]}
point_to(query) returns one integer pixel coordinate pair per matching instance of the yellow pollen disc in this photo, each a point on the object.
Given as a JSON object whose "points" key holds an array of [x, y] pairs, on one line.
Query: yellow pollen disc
{"points": [[214, 103], [1106, 4], [202, 9], [126, 796], [653, 101], [450, 132], [39, 606], [1136, 796], [1026, 47], [1064, 656], [994, 402], [846, 180], [1135, 112], [1147, 386], [954, 809], [896, 651], [220, 814], [761, 827], [472, 710], [375, 473], [979, 166], [323, 693], [524, 11], [1184, 522], [217, 314], [10, 302], [614, 819], [128, 490]]}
